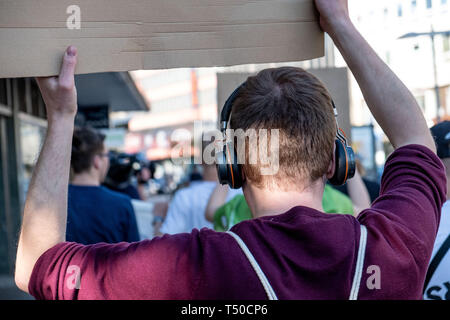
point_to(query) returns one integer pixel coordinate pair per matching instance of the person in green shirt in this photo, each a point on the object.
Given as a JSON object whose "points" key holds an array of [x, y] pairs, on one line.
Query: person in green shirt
{"points": [[237, 210]]}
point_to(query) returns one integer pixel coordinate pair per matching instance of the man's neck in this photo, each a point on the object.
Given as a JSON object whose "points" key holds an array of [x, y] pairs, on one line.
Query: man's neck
{"points": [[270, 202], [85, 179]]}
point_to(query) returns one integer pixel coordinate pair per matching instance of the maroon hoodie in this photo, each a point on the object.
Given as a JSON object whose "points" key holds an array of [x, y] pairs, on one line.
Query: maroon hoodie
{"points": [[304, 253]]}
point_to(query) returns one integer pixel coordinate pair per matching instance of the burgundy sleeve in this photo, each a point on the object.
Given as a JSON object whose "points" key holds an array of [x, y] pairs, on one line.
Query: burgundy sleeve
{"points": [[402, 223], [161, 268]]}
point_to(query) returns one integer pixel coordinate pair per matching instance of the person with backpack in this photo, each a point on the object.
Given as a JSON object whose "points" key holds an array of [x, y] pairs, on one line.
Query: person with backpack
{"points": [[437, 281]]}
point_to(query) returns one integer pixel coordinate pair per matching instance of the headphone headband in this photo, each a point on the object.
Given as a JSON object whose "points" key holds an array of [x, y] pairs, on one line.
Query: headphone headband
{"points": [[228, 106]]}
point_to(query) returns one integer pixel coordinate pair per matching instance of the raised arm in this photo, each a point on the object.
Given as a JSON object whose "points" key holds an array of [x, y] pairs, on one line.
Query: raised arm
{"points": [[45, 213], [217, 199], [359, 194], [391, 103]]}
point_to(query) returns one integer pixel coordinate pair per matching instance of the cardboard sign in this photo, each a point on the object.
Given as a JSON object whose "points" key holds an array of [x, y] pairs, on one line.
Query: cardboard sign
{"points": [[123, 35]]}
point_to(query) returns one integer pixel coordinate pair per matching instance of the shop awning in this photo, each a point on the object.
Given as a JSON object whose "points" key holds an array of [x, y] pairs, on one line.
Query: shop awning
{"points": [[114, 89]]}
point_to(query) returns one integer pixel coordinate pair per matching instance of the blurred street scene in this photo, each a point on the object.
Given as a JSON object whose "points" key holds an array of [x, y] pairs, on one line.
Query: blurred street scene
{"points": [[146, 115]]}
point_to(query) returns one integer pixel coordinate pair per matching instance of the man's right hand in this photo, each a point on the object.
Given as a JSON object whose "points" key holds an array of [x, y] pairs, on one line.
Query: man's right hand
{"points": [[59, 93], [332, 14]]}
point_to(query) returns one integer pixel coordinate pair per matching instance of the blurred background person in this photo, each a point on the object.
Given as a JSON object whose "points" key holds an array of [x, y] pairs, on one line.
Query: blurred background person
{"points": [[195, 175], [372, 187], [437, 281], [143, 177], [121, 171], [187, 209], [224, 215], [96, 214]]}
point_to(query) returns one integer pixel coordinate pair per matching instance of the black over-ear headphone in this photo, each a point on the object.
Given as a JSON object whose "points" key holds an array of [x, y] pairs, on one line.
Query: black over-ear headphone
{"points": [[230, 171], [344, 156], [228, 168]]}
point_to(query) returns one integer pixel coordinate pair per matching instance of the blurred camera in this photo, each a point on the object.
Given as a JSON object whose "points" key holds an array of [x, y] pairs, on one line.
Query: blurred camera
{"points": [[122, 168]]}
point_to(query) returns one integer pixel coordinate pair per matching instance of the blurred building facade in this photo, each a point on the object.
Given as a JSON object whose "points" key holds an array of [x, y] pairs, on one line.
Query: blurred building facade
{"points": [[180, 97], [400, 32]]}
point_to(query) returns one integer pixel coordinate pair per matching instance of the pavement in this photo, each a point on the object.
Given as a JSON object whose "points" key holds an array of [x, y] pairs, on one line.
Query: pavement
{"points": [[9, 290]]}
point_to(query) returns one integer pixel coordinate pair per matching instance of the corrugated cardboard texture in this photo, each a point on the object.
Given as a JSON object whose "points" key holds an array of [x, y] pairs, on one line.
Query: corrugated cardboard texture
{"points": [[336, 80], [123, 35]]}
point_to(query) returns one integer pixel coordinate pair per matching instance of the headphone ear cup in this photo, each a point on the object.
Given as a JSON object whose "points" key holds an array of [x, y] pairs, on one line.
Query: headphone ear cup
{"points": [[235, 176], [222, 167], [228, 169], [351, 163], [341, 164]]}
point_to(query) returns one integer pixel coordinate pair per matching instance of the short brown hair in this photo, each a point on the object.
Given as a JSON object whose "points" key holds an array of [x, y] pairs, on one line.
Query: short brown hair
{"points": [[298, 104], [86, 143]]}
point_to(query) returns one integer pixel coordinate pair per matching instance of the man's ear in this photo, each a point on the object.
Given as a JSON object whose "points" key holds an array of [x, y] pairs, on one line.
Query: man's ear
{"points": [[96, 162], [332, 165]]}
